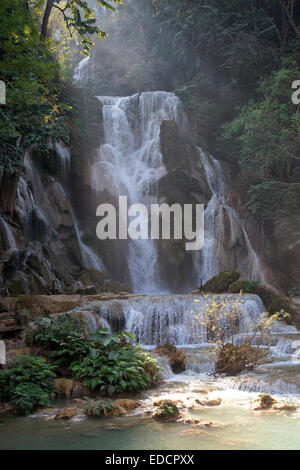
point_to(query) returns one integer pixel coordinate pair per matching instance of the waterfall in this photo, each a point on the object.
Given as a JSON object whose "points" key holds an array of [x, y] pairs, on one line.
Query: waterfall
{"points": [[80, 72], [64, 160], [130, 164], [171, 318], [9, 237], [90, 259], [215, 257]]}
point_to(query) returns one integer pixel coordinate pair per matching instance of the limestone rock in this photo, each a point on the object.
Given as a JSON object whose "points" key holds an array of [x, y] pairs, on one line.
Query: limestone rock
{"points": [[166, 411], [209, 402], [176, 357], [64, 387], [123, 406], [67, 413]]}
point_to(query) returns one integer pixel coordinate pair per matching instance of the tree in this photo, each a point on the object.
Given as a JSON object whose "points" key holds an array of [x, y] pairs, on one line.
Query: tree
{"points": [[78, 17]]}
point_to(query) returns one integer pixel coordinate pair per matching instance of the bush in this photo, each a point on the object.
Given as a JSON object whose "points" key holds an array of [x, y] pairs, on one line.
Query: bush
{"points": [[28, 384], [221, 282], [247, 287], [117, 368], [272, 302], [64, 338], [101, 361], [232, 359]]}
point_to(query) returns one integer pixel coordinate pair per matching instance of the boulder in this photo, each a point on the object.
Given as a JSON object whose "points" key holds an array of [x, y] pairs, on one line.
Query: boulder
{"points": [[123, 406], [176, 357], [166, 411], [209, 402], [67, 413], [64, 387], [265, 402], [78, 390], [221, 282]]}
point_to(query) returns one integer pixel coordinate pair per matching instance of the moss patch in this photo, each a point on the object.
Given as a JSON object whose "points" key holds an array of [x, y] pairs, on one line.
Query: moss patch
{"points": [[221, 282]]}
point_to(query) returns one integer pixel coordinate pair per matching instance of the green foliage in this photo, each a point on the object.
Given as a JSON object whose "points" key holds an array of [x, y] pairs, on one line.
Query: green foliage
{"points": [[64, 338], [26, 397], [116, 368], [29, 383], [247, 287], [35, 111], [103, 361], [265, 141], [295, 291], [98, 408], [272, 302], [221, 282]]}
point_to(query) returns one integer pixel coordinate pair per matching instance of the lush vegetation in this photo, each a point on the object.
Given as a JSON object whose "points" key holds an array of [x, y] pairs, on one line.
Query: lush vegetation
{"points": [[36, 68], [28, 384], [102, 361]]}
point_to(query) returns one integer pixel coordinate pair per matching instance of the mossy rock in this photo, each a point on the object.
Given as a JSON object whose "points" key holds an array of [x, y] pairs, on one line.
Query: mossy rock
{"points": [[247, 287], [221, 282], [167, 410], [272, 302], [16, 286]]}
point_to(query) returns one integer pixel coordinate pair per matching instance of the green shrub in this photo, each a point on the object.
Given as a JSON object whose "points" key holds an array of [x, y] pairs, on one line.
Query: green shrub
{"points": [[114, 366], [102, 361], [29, 383], [63, 337], [272, 302], [295, 291], [221, 282], [247, 287]]}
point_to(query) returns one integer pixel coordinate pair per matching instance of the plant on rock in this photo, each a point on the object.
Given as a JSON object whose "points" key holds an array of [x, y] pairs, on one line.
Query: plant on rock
{"points": [[29, 383], [167, 410]]}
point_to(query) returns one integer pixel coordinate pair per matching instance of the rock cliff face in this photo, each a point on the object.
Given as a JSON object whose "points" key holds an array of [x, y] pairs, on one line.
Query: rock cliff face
{"points": [[138, 146], [42, 248]]}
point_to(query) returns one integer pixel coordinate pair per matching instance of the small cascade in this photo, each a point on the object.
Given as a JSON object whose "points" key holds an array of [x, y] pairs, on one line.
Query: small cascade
{"points": [[215, 256], [90, 259], [64, 160], [9, 239], [81, 70], [160, 319]]}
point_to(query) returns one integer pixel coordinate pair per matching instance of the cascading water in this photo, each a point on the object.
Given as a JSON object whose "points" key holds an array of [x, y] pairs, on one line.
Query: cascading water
{"points": [[81, 71], [156, 320], [90, 259], [130, 164], [215, 257]]}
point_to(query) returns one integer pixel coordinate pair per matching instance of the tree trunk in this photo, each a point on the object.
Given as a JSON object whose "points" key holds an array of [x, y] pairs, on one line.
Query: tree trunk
{"points": [[290, 18], [44, 30]]}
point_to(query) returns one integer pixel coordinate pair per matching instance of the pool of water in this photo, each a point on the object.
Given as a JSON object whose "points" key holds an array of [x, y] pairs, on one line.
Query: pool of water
{"points": [[235, 426]]}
